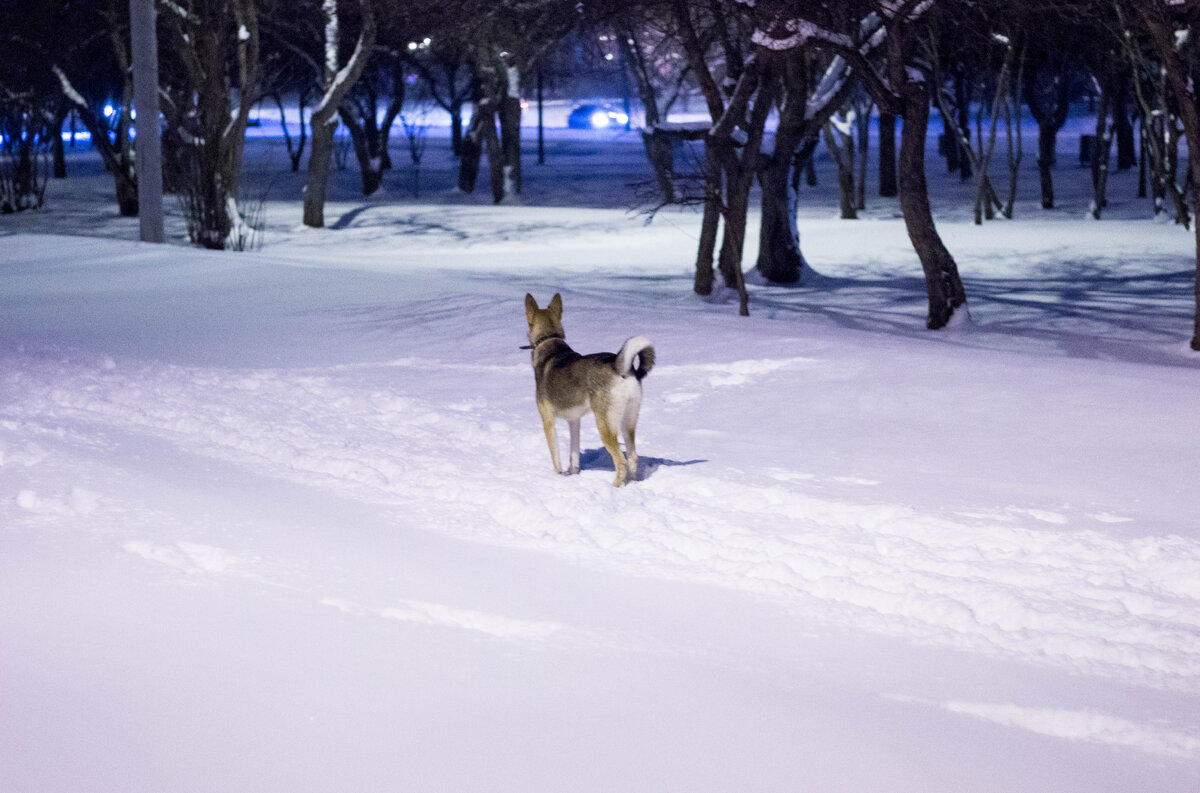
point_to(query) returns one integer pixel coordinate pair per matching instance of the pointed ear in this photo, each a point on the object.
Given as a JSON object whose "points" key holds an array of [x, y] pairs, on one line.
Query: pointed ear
{"points": [[555, 307], [531, 308]]}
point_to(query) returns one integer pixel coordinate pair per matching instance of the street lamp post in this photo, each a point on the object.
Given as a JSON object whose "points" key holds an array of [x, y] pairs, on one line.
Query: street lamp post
{"points": [[145, 101]]}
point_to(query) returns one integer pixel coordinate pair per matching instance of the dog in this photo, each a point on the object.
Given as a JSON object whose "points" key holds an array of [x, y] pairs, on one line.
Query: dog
{"points": [[568, 385]]}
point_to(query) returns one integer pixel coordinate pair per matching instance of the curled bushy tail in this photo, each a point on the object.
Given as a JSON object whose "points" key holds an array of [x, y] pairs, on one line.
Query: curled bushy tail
{"points": [[636, 357]]}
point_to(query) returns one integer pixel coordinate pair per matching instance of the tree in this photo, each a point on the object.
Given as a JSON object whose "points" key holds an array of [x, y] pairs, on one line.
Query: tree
{"points": [[339, 78], [382, 79], [845, 136], [210, 42], [642, 38], [888, 186], [1106, 66], [505, 40], [732, 141], [30, 110], [1047, 83], [289, 68], [439, 56], [1173, 27], [899, 86], [88, 58], [1160, 127], [988, 55], [811, 86]]}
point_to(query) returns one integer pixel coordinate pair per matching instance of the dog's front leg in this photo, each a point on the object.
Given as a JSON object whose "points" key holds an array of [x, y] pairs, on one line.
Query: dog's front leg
{"points": [[551, 435], [574, 425]]}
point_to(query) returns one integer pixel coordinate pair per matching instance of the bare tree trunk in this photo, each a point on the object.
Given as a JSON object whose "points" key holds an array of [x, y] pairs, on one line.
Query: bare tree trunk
{"points": [[800, 121], [713, 189], [369, 156], [57, 150], [1141, 191], [510, 133], [1047, 143], [1183, 82], [962, 98], [296, 152], [318, 173], [660, 153], [734, 209], [740, 171], [862, 127], [942, 282], [841, 149], [1100, 154], [1123, 126], [657, 144], [978, 161], [491, 145], [338, 83], [470, 152], [1012, 127], [1049, 106], [888, 186], [456, 130], [779, 257], [124, 177]]}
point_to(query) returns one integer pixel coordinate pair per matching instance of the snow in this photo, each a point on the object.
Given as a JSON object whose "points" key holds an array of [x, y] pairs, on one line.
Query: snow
{"points": [[285, 520], [67, 88]]}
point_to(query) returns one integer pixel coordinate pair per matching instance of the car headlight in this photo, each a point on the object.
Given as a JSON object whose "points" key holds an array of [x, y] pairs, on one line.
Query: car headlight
{"points": [[599, 119]]}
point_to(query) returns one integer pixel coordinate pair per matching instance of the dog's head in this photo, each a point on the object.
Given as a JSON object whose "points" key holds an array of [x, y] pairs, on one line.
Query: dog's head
{"points": [[544, 323]]}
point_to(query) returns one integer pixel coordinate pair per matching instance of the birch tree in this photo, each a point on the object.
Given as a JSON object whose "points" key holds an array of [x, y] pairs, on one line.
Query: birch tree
{"points": [[339, 78]]}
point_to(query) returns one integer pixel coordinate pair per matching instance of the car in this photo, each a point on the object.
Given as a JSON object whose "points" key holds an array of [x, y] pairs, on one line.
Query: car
{"points": [[592, 116]]}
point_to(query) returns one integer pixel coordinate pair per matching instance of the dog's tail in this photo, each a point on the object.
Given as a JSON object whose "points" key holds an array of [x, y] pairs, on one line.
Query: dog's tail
{"points": [[635, 357]]}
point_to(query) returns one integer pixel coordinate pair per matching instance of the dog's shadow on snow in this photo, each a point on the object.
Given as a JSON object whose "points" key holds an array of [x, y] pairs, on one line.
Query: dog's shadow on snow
{"points": [[600, 460]]}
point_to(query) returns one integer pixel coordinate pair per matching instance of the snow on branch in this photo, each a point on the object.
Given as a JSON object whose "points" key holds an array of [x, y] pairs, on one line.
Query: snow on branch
{"points": [[827, 89], [788, 34], [905, 9], [177, 10], [331, 38], [793, 33], [68, 89], [345, 75]]}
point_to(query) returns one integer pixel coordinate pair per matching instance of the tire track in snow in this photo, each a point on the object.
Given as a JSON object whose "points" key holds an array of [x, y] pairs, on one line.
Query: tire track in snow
{"points": [[1075, 600]]}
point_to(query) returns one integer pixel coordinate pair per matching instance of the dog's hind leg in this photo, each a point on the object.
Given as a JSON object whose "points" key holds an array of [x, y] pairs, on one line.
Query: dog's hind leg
{"points": [[551, 435], [631, 451], [574, 425], [608, 436]]}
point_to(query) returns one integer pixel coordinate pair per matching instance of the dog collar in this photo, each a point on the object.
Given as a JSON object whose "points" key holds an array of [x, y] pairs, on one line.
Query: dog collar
{"points": [[542, 340]]}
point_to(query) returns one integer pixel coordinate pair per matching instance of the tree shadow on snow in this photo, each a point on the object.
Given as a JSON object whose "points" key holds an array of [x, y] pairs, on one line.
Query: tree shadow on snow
{"points": [[600, 460], [1088, 309]]}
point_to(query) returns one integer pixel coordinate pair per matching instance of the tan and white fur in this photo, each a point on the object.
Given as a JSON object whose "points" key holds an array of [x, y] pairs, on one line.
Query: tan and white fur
{"points": [[569, 385]]}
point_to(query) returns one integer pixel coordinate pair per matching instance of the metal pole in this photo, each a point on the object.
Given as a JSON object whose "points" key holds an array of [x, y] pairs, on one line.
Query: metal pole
{"points": [[145, 102]]}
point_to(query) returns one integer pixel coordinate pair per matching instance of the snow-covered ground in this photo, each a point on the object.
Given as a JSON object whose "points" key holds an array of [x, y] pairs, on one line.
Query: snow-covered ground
{"points": [[285, 520]]}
